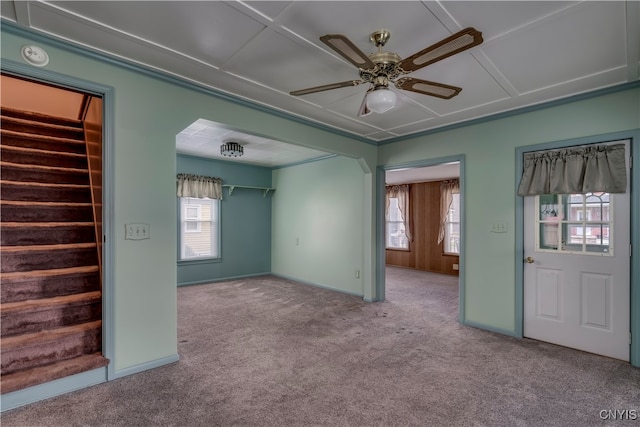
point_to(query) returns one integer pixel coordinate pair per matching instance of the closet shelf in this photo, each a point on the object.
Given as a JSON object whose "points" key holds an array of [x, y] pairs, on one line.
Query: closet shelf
{"points": [[265, 190]]}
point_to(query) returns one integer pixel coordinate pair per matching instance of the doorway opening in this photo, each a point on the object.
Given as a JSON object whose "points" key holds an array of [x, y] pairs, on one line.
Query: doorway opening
{"points": [[52, 233], [423, 221]]}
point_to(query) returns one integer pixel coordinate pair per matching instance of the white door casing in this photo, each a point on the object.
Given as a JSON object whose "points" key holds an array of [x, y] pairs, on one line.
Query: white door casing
{"points": [[571, 298]]}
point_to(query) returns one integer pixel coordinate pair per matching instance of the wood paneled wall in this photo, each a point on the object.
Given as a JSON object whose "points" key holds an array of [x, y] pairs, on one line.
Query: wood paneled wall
{"points": [[424, 251]]}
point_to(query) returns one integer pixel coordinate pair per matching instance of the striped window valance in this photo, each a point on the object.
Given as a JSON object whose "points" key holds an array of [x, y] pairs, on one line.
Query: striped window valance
{"points": [[198, 186]]}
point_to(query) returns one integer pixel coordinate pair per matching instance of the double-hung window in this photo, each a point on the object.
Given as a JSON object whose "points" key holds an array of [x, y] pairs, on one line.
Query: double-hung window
{"points": [[452, 226], [398, 231], [200, 228]]}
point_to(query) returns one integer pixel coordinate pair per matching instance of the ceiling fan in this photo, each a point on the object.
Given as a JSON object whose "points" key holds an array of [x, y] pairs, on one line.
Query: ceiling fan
{"points": [[381, 68]]}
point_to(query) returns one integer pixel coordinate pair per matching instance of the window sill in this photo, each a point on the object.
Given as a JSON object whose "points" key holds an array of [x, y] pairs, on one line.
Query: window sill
{"points": [[450, 254], [196, 261], [398, 249]]}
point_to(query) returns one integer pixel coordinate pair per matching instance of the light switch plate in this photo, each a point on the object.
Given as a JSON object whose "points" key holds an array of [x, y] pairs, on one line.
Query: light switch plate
{"points": [[137, 231]]}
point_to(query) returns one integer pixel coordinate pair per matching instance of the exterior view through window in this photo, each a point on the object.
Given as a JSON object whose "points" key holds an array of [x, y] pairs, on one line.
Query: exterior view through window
{"points": [[396, 237], [575, 223], [199, 231], [452, 227]]}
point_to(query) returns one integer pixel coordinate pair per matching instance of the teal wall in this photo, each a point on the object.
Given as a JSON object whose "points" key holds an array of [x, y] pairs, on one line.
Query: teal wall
{"points": [[245, 222], [490, 159], [318, 225]]}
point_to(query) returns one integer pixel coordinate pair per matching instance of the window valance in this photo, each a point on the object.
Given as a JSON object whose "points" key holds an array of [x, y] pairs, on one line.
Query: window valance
{"points": [[584, 169], [198, 186]]}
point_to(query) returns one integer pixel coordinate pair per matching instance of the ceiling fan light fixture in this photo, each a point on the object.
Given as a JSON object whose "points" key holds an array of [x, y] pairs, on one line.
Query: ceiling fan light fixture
{"points": [[381, 100], [231, 149]]}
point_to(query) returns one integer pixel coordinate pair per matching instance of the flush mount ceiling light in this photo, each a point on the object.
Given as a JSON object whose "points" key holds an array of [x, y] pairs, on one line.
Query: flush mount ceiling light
{"points": [[231, 149]]}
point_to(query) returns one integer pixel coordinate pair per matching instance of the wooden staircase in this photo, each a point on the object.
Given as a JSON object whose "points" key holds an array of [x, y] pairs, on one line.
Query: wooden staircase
{"points": [[51, 296]]}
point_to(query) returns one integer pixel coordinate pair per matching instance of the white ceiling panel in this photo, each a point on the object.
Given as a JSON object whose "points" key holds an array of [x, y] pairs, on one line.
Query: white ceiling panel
{"points": [[203, 138], [533, 52], [512, 14], [582, 40], [269, 9], [280, 63], [201, 29]]}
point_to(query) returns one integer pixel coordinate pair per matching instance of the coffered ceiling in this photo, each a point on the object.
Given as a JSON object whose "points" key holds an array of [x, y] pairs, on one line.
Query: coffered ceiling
{"points": [[533, 51]]}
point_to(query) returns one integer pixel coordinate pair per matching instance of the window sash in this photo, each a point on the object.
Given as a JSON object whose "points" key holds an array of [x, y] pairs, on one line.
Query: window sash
{"points": [[199, 235]]}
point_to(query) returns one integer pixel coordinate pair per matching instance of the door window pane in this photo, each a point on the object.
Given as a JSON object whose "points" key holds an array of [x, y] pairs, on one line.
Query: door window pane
{"points": [[574, 223]]}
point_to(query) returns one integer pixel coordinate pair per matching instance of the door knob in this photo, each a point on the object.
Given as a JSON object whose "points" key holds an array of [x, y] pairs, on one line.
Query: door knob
{"points": [[529, 260]]}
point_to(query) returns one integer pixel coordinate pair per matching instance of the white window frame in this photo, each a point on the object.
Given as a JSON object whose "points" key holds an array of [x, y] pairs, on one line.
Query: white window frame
{"points": [[388, 237], [554, 228], [455, 201], [210, 247]]}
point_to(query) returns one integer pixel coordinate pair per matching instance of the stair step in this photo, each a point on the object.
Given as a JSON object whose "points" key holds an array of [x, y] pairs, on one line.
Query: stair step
{"points": [[33, 116], [46, 257], [43, 142], [25, 285], [30, 126], [44, 192], [49, 313], [21, 211], [40, 173], [35, 349], [33, 156], [40, 375], [46, 233]]}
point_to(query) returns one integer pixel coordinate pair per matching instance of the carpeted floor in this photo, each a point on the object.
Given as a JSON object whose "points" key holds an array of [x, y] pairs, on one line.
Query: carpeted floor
{"points": [[269, 352]]}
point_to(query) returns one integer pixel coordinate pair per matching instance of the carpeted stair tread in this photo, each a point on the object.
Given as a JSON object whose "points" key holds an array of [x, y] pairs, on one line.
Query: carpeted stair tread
{"points": [[46, 233], [29, 126], [33, 156], [25, 285], [33, 116], [48, 336], [54, 371], [45, 303], [48, 313], [43, 192], [31, 248], [41, 173], [21, 211], [37, 257], [20, 275], [45, 347], [42, 142]]}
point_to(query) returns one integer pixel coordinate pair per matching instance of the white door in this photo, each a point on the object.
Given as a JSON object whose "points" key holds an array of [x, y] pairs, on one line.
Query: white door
{"points": [[576, 271]]}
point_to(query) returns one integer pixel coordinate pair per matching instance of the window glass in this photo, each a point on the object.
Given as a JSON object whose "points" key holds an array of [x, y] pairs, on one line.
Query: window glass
{"points": [[452, 230], [200, 228], [574, 223], [396, 237]]}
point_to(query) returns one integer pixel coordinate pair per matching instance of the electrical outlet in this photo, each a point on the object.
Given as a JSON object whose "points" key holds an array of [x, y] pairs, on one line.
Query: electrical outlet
{"points": [[137, 231], [455, 267]]}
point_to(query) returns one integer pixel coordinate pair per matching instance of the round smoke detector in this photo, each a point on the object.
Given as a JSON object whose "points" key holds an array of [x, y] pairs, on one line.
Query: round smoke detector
{"points": [[35, 55]]}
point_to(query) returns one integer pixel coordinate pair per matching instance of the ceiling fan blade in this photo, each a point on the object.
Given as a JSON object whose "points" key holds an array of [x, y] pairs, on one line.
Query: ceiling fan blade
{"points": [[425, 87], [348, 50], [348, 83], [460, 41]]}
